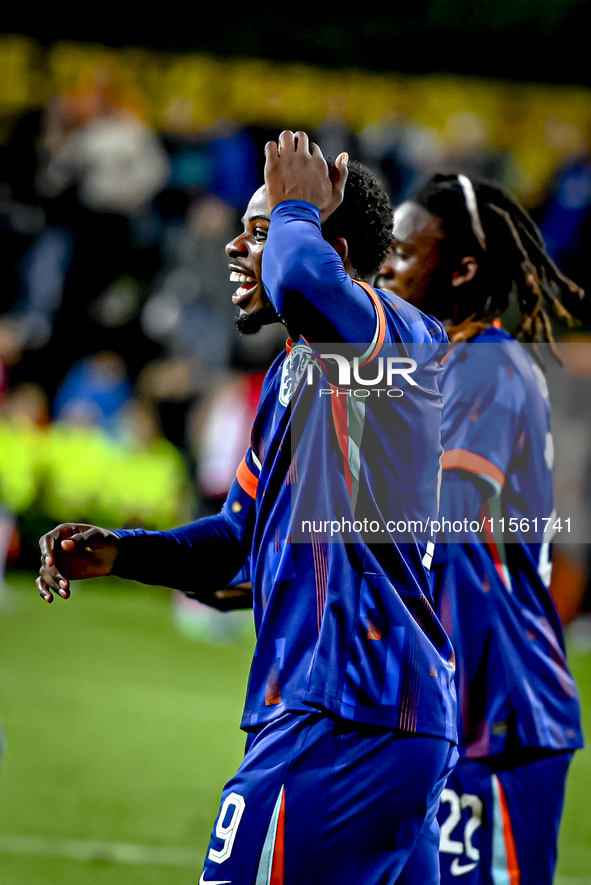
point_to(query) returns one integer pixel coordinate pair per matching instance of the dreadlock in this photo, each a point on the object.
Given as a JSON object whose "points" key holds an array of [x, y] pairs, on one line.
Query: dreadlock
{"points": [[481, 219]]}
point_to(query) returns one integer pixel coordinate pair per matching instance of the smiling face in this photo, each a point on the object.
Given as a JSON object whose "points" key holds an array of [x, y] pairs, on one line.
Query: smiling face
{"points": [[414, 268], [246, 254]]}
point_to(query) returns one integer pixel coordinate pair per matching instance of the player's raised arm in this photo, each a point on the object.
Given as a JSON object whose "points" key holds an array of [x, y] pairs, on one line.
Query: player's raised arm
{"points": [[319, 241], [295, 169]]}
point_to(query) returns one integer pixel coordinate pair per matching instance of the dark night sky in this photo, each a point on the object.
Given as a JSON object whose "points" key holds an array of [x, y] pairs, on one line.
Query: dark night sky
{"points": [[515, 39]]}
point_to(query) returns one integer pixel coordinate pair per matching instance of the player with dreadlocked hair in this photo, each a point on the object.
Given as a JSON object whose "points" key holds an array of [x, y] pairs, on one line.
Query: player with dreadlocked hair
{"points": [[461, 248], [481, 220]]}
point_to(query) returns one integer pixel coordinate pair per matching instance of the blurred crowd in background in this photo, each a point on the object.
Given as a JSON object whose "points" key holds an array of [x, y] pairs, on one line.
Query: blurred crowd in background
{"points": [[126, 394]]}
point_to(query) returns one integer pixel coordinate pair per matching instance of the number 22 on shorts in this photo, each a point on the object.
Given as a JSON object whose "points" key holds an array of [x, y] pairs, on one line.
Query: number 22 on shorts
{"points": [[448, 845]]}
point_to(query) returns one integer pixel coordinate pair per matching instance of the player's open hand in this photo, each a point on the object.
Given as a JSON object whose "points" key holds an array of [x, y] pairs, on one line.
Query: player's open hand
{"points": [[295, 169], [72, 551]]}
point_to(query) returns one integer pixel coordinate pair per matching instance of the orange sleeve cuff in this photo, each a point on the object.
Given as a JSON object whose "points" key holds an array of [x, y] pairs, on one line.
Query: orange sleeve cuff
{"points": [[462, 459], [246, 479]]}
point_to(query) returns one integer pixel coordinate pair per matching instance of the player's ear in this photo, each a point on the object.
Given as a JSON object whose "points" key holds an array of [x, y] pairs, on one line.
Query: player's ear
{"points": [[342, 247], [465, 271]]}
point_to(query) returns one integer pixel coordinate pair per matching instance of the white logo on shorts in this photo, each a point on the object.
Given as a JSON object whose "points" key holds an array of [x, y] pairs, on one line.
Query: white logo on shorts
{"points": [[203, 881], [457, 870]]}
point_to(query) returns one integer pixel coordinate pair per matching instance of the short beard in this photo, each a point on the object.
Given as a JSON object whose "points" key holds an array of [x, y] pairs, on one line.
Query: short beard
{"points": [[251, 323]]}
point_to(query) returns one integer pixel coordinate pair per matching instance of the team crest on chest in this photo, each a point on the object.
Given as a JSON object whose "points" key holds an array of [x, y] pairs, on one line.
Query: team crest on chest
{"points": [[293, 369]]}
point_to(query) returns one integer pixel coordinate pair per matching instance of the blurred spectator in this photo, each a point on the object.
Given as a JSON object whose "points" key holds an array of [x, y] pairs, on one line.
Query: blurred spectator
{"points": [[190, 313], [565, 218], [333, 135], [101, 169], [148, 483], [43, 271], [11, 349], [570, 387], [190, 164], [21, 217], [94, 392], [27, 405], [233, 163], [220, 433], [113, 159], [401, 151], [23, 424], [135, 479], [22, 436], [219, 429], [469, 150]]}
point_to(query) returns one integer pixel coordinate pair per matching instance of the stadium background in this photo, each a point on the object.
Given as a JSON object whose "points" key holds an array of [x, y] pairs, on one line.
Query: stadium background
{"points": [[127, 155]]}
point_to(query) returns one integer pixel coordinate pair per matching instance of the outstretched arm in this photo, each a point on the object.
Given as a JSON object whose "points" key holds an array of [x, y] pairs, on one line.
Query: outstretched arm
{"points": [[198, 558], [72, 551]]}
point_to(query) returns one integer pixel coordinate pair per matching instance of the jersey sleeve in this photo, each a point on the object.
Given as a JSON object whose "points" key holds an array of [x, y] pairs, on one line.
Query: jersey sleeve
{"points": [[245, 484], [482, 402], [307, 281], [460, 500]]}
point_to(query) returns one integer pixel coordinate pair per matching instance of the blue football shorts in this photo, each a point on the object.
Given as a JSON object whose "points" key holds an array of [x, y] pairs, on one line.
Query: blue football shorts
{"points": [[499, 819], [319, 800]]}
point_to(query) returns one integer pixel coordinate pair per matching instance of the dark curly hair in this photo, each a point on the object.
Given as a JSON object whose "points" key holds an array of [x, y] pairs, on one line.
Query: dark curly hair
{"points": [[364, 219], [510, 252]]}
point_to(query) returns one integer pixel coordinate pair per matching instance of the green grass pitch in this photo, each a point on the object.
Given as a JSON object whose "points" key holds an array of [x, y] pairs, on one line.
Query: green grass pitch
{"points": [[120, 734]]}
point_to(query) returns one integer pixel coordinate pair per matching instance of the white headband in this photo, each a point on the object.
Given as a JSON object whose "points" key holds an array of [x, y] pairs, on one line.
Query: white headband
{"points": [[472, 207]]}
